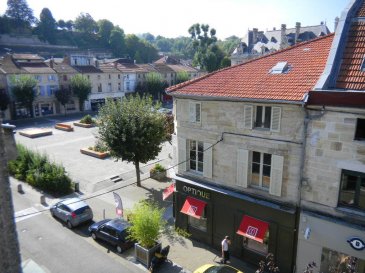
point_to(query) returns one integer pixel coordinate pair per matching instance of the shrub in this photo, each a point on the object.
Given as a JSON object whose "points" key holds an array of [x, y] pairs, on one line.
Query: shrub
{"points": [[158, 168], [39, 172], [87, 119], [147, 223]]}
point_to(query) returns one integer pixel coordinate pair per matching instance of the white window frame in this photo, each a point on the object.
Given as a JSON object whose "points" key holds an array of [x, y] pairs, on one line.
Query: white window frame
{"points": [[263, 114], [250, 113], [195, 111], [196, 156]]}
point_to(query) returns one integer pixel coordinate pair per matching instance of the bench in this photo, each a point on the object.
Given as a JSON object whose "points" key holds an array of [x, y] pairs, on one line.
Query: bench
{"points": [[64, 127]]}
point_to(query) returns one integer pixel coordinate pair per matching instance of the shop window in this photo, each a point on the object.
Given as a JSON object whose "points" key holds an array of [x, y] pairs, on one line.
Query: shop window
{"points": [[360, 129], [352, 192], [333, 261], [261, 170], [256, 246], [196, 152], [198, 223], [70, 106], [195, 112]]}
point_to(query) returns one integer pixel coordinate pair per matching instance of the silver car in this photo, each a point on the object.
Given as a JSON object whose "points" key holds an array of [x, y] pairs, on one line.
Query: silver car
{"points": [[72, 211]]}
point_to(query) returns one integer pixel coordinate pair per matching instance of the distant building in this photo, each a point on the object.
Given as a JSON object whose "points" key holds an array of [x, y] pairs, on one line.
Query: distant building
{"points": [[257, 43]]}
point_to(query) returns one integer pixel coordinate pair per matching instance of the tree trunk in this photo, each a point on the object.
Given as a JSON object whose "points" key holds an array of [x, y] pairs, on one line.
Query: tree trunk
{"points": [[81, 105], [64, 106], [136, 163], [31, 110], [9, 247]]}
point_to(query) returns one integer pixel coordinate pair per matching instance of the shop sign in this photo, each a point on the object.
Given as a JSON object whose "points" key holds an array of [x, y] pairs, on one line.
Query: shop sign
{"points": [[356, 243], [196, 192]]}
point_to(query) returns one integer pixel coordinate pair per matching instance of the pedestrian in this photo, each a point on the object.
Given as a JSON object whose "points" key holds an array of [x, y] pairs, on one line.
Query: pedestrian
{"points": [[225, 249]]}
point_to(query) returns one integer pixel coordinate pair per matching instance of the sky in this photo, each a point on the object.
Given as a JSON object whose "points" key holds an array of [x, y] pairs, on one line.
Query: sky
{"points": [[171, 18]]}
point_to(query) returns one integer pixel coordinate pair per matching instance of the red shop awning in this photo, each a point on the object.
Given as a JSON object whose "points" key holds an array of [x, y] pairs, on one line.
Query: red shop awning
{"points": [[253, 228], [168, 191], [193, 207]]}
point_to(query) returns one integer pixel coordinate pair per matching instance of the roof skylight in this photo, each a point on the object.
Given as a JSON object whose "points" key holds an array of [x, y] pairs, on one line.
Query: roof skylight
{"points": [[279, 68]]}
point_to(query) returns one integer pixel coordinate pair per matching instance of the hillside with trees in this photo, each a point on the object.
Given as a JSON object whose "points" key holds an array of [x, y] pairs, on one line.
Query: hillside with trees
{"points": [[85, 33]]}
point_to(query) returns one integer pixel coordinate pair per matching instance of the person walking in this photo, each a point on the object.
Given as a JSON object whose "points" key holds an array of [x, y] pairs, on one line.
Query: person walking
{"points": [[225, 249]]}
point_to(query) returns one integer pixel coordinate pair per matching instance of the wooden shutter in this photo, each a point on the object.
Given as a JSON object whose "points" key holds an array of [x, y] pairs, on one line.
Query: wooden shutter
{"points": [[192, 112], [208, 160], [181, 154], [242, 168], [276, 175], [247, 115], [275, 119]]}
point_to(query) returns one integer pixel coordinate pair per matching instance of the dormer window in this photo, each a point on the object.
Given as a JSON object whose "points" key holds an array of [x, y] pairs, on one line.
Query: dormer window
{"points": [[280, 68], [363, 64]]}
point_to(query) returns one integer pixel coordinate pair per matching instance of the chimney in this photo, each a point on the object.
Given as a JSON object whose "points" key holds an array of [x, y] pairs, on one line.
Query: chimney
{"points": [[297, 31], [283, 42], [66, 60], [51, 62], [336, 23], [254, 35]]}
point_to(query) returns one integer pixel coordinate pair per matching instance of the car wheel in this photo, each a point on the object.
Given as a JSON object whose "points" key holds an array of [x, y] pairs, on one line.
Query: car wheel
{"points": [[52, 213], [93, 235], [119, 249], [69, 225]]}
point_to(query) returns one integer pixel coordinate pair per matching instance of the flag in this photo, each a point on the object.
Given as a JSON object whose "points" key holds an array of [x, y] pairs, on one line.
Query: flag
{"points": [[168, 191], [118, 205]]}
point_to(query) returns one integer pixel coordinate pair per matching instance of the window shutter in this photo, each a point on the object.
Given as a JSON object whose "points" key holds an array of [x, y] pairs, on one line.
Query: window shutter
{"points": [[192, 113], [275, 119], [277, 164], [208, 160], [247, 114], [242, 168], [181, 154]]}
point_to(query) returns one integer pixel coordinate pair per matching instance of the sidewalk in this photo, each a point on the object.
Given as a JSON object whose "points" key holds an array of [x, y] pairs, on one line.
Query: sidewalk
{"points": [[185, 254]]}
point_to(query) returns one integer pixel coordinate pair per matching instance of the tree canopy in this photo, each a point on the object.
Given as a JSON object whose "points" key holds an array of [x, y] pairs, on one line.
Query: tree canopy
{"points": [[47, 26], [63, 95], [19, 11], [85, 23], [23, 89], [81, 87], [132, 129], [4, 100], [117, 41]]}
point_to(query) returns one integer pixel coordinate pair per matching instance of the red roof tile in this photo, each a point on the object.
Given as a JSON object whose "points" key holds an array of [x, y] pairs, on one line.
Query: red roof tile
{"points": [[351, 76], [252, 80]]}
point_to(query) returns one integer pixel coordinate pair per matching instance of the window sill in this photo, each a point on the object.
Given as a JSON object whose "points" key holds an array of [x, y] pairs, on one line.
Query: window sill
{"points": [[351, 210]]}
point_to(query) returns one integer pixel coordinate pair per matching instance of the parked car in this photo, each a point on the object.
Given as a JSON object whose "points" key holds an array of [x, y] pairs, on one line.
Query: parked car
{"points": [[210, 268], [114, 232], [72, 211]]}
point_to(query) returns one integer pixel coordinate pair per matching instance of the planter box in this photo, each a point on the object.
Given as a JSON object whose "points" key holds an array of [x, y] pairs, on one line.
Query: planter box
{"points": [[144, 255], [84, 125], [100, 155], [64, 127], [33, 133], [160, 176]]}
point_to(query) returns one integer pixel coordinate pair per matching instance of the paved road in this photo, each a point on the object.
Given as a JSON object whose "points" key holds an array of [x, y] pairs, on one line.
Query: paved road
{"points": [[64, 147], [52, 246]]}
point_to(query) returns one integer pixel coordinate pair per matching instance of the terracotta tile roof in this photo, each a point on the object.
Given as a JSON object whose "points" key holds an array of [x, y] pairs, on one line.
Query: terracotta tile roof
{"points": [[87, 69], [179, 68], [350, 75], [8, 66], [62, 68], [37, 68], [129, 68], [252, 80], [109, 67], [27, 57]]}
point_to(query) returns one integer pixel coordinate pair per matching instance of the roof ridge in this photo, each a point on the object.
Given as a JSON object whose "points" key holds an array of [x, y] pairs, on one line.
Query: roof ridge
{"points": [[177, 86]]}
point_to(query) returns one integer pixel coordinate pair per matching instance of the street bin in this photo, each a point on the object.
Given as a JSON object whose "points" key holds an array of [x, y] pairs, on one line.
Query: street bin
{"points": [[77, 186]]}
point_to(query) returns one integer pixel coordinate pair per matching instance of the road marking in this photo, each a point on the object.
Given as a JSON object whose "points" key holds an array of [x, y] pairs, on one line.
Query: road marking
{"points": [[25, 214]]}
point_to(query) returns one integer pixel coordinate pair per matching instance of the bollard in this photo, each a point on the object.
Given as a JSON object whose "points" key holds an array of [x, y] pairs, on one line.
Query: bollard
{"points": [[20, 188], [103, 213], [43, 199], [77, 186]]}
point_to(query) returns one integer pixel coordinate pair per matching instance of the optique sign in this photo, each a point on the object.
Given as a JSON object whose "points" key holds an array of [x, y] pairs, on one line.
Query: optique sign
{"points": [[196, 192]]}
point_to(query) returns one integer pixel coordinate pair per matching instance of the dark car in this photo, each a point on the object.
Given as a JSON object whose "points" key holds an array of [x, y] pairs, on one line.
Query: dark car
{"points": [[114, 232]]}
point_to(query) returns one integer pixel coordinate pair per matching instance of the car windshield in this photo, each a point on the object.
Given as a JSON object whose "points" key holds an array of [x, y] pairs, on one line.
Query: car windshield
{"points": [[221, 269], [81, 210]]}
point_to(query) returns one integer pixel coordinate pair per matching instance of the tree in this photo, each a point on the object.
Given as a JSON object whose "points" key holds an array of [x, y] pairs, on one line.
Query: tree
{"points": [[132, 129], [105, 29], [182, 76], [81, 87], [117, 41], [63, 95], [47, 26], [23, 89], [155, 85], [85, 23], [61, 24], [20, 12], [4, 100], [69, 25]]}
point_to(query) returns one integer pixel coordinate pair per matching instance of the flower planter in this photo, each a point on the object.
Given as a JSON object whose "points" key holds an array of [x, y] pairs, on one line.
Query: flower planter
{"points": [[64, 127], [96, 154], [84, 125], [159, 176], [144, 255]]}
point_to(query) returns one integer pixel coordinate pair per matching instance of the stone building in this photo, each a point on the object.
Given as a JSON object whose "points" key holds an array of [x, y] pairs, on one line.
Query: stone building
{"points": [[239, 145], [256, 43]]}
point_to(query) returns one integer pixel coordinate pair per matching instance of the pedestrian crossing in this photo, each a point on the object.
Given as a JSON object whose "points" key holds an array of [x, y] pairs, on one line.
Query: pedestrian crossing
{"points": [[25, 214]]}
